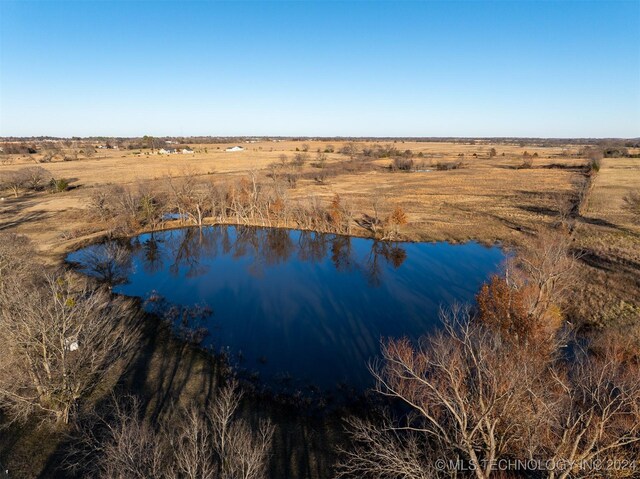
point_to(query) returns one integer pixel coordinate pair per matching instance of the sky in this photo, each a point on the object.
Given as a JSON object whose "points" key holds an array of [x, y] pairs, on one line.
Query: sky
{"points": [[362, 68]]}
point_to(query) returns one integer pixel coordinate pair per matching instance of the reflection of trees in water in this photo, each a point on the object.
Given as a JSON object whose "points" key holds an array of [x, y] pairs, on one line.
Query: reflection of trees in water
{"points": [[192, 251], [225, 239], [108, 262], [191, 248], [392, 253], [188, 248], [341, 253], [153, 261], [278, 246], [313, 246], [267, 246]]}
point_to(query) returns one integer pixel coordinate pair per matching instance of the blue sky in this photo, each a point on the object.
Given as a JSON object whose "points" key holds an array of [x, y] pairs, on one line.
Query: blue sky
{"points": [[475, 68]]}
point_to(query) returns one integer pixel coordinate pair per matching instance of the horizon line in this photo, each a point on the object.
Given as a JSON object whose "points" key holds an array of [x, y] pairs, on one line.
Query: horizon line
{"points": [[313, 137]]}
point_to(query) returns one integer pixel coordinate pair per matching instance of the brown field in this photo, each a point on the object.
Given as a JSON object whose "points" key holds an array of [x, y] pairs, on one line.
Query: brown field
{"points": [[487, 200]]}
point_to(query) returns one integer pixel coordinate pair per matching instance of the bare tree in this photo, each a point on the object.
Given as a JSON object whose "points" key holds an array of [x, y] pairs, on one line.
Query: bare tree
{"points": [[129, 208], [300, 159], [88, 150], [349, 149], [192, 445], [129, 447], [545, 266], [566, 211], [375, 222], [241, 453], [101, 203], [385, 450], [16, 261], [190, 197], [466, 393], [36, 177], [15, 181], [31, 178], [192, 442], [592, 418], [49, 153], [59, 338], [321, 159]]}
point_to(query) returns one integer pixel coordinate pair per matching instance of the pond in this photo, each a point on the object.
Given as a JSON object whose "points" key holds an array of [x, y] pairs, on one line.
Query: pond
{"points": [[294, 310]]}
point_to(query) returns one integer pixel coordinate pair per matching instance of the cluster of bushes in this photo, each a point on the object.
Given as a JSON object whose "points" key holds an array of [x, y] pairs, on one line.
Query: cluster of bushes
{"points": [[22, 148], [455, 165], [617, 152], [607, 151], [33, 178], [402, 164]]}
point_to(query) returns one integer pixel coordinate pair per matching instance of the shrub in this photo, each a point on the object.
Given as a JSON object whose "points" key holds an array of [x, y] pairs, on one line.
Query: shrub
{"points": [[403, 164], [503, 308], [31, 178], [450, 166], [616, 152], [59, 185], [300, 159]]}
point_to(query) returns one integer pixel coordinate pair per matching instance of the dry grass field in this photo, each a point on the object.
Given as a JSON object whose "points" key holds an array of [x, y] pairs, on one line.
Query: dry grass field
{"points": [[610, 239], [487, 200]]}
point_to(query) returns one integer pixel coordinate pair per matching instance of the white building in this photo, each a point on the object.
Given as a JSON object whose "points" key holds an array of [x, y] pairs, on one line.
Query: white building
{"points": [[235, 148], [71, 344], [186, 151]]}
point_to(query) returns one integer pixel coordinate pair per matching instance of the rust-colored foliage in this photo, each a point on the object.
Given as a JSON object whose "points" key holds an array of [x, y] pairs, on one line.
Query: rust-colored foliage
{"points": [[336, 215], [244, 190], [277, 207], [398, 217], [504, 308]]}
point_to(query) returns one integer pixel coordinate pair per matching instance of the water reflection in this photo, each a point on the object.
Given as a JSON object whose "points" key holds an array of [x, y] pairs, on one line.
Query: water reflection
{"points": [[184, 253], [295, 309]]}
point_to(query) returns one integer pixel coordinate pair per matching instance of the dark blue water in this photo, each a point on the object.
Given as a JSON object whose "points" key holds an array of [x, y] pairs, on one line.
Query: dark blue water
{"points": [[293, 308]]}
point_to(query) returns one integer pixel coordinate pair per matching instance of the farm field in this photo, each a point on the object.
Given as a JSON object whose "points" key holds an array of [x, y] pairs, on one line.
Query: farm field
{"points": [[489, 199]]}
